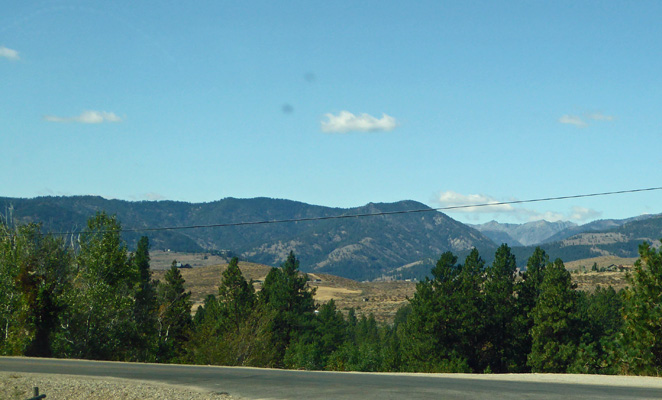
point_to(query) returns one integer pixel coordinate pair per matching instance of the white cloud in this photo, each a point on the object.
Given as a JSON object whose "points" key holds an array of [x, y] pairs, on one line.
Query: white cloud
{"points": [[345, 121], [584, 214], [9, 53], [454, 199], [600, 117], [86, 117], [573, 120], [581, 122]]}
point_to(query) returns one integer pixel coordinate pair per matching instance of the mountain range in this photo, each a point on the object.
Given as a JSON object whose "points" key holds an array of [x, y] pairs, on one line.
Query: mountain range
{"points": [[401, 245], [527, 234], [357, 247]]}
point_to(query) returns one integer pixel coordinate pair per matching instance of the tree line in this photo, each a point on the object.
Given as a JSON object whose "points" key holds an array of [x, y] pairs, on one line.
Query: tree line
{"points": [[92, 298]]}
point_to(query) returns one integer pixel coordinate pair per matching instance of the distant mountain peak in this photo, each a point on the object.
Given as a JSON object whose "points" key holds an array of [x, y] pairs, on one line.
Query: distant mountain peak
{"points": [[529, 233]]}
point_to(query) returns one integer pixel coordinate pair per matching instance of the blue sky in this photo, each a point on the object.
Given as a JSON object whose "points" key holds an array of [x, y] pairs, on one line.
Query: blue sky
{"points": [[336, 103]]}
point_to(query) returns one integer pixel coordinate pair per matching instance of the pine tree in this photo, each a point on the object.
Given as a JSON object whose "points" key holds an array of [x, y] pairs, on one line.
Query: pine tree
{"points": [[471, 311], [236, 296], [145, 307], [430, 336], [528, 291], [286, 293], [600, 321], [641, 340], [174, 315], [330, 327], [499, 348], [555, 333]]}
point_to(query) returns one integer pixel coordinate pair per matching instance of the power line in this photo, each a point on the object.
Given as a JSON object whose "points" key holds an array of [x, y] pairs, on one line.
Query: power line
{"points": [[381, 213]]}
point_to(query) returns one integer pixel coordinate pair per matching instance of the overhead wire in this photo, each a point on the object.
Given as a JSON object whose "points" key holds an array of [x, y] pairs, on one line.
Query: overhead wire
{"points": [[375, 214]]}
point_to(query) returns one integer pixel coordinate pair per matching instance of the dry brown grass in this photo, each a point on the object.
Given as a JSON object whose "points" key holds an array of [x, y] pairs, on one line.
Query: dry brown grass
{"points": [[602, 262], [163, 259], [203, 281], [589, 281], [382, 299], [379, 298]]}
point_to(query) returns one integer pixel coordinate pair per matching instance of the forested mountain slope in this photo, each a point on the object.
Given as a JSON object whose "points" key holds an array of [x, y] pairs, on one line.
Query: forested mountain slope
{"points": [[359, 248]]}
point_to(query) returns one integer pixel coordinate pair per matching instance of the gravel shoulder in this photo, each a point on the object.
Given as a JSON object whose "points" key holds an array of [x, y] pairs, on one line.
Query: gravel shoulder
{"points": [[19, 386]]}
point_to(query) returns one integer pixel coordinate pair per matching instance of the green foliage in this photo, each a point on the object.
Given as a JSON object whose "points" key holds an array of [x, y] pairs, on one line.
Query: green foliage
{"points": [[248, 345], [174, 316], [33, 270], [145, 306], [528, 292], [330, 328], [365, 353], [101, 303], [555, 334], [600, 323], [641, 339], [236, 296], [286, 293], [99, 320], [499, 347], [230, 329], [438, 334], [471, 311]]}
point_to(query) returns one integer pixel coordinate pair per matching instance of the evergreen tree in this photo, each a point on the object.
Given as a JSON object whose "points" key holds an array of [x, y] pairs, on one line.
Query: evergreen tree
{"points": [[430, 337], [528, 292], [330, 327], [286, 293], [236, 296], [555, 329], [145, 307], [312, 352], [471, 311], [174, 315], [641, 340], [499, 348], [600, 319]]}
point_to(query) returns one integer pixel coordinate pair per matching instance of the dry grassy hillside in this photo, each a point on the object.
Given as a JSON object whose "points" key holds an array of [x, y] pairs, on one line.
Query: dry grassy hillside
{"points": [[379, 298]]}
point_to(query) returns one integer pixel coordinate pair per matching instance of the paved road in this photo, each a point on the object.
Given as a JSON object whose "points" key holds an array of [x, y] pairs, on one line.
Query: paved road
{"points": [[256, 383]]}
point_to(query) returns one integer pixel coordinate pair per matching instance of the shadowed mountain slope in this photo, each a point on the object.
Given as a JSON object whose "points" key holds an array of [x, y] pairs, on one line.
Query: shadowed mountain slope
{"points": [[358, 247]]}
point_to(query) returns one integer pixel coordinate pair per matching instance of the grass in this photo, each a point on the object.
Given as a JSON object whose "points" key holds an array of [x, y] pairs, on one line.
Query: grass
{"points": [[380, 298]]}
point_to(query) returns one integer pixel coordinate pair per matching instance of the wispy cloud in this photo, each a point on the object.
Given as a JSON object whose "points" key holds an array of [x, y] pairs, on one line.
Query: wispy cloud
{"points": [[584, 214], [583, 121], [485, 204], [454, 199], [345, 122], [573, 120], [600, 117], [9, 53], [86, 117]]}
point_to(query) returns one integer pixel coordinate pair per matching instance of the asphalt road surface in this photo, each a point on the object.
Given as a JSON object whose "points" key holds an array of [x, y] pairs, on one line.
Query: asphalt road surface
{"points": [[255, 383]]}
